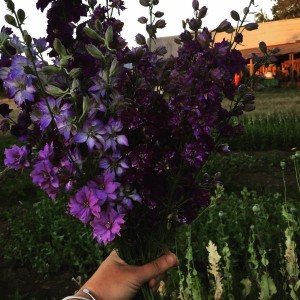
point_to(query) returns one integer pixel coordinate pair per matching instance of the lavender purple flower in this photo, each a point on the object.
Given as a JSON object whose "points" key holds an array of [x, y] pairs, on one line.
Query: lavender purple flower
{"points": [[107, 226], [16, 158], [84, 204]]}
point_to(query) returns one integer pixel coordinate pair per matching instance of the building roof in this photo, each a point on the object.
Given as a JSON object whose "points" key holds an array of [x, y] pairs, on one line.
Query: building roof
{"points": [[284, 49], [283, 34]]}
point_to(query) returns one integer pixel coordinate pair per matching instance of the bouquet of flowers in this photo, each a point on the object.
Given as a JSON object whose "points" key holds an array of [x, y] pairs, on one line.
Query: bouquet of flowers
{"points": [[124, 132]]}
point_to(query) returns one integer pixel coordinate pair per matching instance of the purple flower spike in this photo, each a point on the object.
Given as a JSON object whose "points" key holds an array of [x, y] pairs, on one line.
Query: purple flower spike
{"points": [[107, 226], [16, 158], [84, 204]]}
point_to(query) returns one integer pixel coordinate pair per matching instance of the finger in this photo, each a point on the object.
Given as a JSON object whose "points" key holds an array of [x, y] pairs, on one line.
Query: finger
{"points": [[157, 267], [155, 281]]}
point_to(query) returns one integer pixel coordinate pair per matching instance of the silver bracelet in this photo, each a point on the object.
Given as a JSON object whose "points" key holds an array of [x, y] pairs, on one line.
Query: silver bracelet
{"points": [[86, 291]]}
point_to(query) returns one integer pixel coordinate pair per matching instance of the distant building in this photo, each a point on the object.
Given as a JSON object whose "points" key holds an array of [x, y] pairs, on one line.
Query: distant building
{"points": [[282, 34]]}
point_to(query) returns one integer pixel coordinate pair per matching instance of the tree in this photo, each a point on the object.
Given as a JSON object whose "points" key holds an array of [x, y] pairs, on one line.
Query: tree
{"points": [[286, 9], [261, 17]]}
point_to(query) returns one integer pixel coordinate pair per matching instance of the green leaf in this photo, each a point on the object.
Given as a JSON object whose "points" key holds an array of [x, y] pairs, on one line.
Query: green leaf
{"points": [[55, 91], [94, 51], [48, 70], [247, 286], [75, 73], [114, 68], [92, 33], [268, 288], [109, 36], [59, 47]]}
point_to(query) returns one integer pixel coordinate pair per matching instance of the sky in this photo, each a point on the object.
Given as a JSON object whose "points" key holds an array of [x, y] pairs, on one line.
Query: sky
{"points": [[175, 11]]}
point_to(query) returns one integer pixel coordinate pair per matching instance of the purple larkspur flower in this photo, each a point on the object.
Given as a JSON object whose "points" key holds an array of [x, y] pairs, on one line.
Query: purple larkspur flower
{"points": [[104, 187], [62, 114], [44, 175], [47, 152], [112, 138], [16, 158], [20, 88], [114, 163], [84, 204], [17, 44], [40, 44], [107, 226], [141, 157], [196, 153], [92, 134], [127, 197]]}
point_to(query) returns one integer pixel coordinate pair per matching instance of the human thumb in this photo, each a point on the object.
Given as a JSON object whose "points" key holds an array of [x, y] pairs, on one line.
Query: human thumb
{"points": [[157, 267]]}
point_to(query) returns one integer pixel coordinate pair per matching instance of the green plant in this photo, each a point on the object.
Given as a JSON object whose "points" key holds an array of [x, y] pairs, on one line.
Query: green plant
{"points": [[45, 238]]}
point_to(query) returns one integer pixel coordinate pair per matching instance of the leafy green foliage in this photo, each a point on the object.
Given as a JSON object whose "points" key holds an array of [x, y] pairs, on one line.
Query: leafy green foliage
{"points": [[286, 9], [275, 131], [44, 237]]}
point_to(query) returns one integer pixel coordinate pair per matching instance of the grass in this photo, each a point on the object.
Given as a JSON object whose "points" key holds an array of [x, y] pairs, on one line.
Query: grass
{"points": [[275, 100]]}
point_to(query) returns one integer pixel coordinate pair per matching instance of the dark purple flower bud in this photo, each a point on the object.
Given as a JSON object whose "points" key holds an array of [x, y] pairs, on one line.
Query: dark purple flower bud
{"points": [[10, 5], [151, 29], [158, 14], [275, 50], [230, 30], [195, 4], [145, 3], [160, 24], [10, 20], [263, 47], [235, 15], [249, 97], [251, 26], [5, 110], [195, 24], [238, 38], [161, 50], [92, 3], [140, 39], [203, 39], [155, 2], [4, 126], [224, 25], [202, 12], [246, 10], [42, 4], [142, 20]]}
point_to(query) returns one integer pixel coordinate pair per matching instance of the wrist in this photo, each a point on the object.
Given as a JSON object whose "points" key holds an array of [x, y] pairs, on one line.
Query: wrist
{"points": [[85, 292]]}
